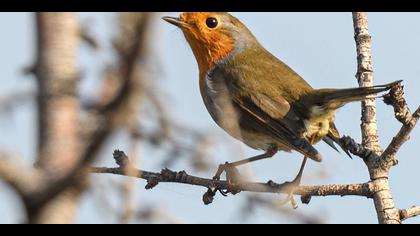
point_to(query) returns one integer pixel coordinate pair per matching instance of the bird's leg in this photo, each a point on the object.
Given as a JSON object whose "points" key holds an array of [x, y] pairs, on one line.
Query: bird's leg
{"points": [[293, 185], [232, 174], [229, 166]]}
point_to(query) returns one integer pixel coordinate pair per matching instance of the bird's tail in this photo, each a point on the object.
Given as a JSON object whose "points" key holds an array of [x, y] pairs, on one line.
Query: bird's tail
{"points": [[322, 102], [334, 98]]}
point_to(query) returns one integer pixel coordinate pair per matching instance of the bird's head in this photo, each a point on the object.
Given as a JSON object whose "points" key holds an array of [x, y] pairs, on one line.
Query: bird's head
{"points": [[212, 36]]}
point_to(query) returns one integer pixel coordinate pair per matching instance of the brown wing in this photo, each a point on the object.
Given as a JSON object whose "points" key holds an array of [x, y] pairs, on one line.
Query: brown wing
{"points": [[268, 115]]}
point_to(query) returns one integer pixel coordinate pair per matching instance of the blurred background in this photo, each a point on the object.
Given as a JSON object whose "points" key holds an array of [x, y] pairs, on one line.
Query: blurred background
{"points": [[175, 130]]}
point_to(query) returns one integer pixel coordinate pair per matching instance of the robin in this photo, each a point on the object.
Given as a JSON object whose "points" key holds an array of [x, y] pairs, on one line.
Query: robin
{"points": [[255, 97]]}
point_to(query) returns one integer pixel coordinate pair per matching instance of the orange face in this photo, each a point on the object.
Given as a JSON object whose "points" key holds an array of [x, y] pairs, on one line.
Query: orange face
{"points": [[207, 35]]}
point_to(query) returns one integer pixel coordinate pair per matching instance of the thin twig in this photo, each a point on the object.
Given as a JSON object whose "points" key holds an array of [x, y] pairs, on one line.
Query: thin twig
{"points": [[403, 136], [169, 176], [402, 113], [396, 99]]}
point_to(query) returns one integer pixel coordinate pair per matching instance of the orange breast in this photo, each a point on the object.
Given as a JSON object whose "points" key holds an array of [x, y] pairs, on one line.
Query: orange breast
{"points": [[208, 45]]}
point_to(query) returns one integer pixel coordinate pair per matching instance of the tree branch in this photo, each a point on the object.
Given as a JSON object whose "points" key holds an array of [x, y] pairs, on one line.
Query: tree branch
{"points": [[22, 180], [396, 99], [364, 76], [409, 212], [388, 157], [58, 144], [57, 76], [384, 204], [168, 176], [358, 149]]}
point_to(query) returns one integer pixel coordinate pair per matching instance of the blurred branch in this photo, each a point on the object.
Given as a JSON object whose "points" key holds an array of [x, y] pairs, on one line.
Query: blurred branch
{"points": [[56, 73], [87, 37], [62, 161], [131, 48], [277, 207], [128, 186], [7, 103], [58, 143], [153, 215], [121, 110], [110, 117], [409, 212], [22, 180]]}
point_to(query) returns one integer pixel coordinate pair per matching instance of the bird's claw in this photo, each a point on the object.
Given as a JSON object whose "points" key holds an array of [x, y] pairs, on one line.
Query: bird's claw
{"points": [[290, 188], [232, 178]]}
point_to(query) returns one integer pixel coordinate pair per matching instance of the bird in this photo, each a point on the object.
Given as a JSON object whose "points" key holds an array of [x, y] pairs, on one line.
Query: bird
{"points": [[257, 98]]}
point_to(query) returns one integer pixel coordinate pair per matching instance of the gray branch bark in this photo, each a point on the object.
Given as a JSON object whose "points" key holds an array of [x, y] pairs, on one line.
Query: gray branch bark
{"points": [[384, 203], [380, 163]]}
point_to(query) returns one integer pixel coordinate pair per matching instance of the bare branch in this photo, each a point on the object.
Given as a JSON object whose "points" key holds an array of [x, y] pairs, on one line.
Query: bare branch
{"points": [[365, 78], [403, 135], [357, 149], [168, 176], [409, 212], [402, 113], [395, 98]]}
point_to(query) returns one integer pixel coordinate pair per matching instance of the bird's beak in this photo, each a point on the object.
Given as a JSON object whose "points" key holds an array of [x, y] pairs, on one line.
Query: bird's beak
{"points": [[175, 21]]}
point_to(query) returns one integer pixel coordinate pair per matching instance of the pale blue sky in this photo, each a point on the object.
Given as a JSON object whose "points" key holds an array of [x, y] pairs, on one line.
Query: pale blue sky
{"points": [[319, 46]]}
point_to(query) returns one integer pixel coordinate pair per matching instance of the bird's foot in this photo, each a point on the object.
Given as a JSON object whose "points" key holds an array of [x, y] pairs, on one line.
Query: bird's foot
{"points": [[290, 188], [232, 178]]}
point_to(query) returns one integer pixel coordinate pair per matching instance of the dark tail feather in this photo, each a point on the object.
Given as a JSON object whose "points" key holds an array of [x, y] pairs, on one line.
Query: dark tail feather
{"points": [[331, 140], [334, 137], [328, 140], [334, 98]]}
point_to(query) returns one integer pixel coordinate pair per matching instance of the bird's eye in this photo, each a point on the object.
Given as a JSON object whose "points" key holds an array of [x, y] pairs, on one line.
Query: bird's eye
{"points": [[211, 22]]}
